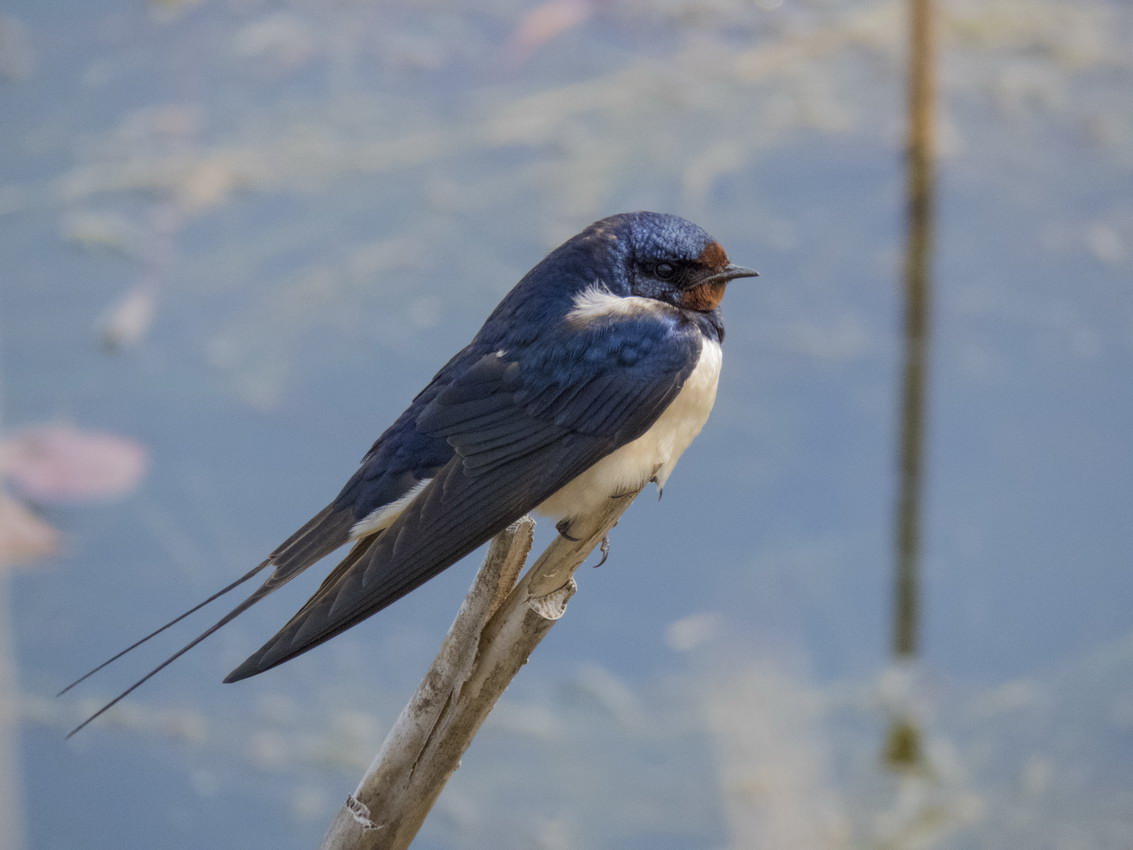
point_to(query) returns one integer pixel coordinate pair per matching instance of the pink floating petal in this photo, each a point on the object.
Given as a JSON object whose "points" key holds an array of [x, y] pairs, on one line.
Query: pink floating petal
{"points": [[544, 23], [23, 535], [61, 463]]}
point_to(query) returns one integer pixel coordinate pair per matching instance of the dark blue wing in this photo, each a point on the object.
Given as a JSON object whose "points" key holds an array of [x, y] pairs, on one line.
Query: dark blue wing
{"points": [[522, 424]]}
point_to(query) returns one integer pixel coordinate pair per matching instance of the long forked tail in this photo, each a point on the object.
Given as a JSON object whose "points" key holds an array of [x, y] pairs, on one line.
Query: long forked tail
{"points": [[320, 536], [252, 572], [239, 609]]}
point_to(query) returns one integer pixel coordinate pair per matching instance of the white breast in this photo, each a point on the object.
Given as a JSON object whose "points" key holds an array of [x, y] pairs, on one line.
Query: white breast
{"points": [[659, 448]]}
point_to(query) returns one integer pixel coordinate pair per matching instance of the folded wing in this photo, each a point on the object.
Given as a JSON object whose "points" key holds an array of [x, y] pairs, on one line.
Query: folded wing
{"points": [[522, 424]]}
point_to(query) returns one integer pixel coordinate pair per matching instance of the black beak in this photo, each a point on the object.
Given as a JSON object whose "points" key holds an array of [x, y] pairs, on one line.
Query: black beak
{"points": [[730, 272]]}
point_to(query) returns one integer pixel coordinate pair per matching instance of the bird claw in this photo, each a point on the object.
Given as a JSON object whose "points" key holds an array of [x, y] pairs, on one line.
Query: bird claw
{"points": [[604, 548], [563, 528]]}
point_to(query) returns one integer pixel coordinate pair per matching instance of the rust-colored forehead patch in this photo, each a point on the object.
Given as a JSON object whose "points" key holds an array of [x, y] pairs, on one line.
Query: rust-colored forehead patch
{"points": [[713, 256]]}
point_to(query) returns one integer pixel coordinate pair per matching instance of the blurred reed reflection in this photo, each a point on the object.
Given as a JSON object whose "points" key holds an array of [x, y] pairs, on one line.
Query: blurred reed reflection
{"points": [[903, 746]]}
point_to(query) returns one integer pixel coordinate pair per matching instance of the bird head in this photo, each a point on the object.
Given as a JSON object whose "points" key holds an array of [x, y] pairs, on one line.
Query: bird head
{"points": [[669, 259]]}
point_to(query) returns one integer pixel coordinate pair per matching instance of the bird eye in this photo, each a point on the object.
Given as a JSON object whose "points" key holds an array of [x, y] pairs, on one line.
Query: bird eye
{"points": [[664, 271]]}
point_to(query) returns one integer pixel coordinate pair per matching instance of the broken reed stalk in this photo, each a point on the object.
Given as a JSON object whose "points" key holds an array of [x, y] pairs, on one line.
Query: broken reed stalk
{"points": [[498, 626]]}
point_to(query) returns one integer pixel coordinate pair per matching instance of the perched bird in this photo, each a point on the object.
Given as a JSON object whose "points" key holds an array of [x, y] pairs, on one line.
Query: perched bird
{"points": [[589, 379]]}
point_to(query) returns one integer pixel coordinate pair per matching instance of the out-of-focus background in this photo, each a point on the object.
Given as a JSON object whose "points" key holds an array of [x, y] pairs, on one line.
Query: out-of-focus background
{"points": [[237, 235]]}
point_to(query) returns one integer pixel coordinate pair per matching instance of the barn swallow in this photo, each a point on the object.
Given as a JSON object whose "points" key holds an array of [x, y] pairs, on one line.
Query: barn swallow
{"points": [[590, 379]]}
